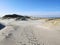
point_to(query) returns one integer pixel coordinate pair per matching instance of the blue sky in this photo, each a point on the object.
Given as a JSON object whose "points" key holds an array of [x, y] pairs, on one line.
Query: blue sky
{"points": [[30, 7]]}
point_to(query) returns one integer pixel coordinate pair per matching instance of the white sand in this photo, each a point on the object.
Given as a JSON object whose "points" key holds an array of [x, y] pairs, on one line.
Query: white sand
{"points": [[28, 33]]}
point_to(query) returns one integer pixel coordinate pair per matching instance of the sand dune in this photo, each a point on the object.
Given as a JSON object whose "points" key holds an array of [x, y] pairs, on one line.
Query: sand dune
{"points": [[28, 33]]}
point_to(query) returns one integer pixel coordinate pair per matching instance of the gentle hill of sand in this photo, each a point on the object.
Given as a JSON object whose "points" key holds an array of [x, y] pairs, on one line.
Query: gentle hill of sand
{"points": [[32, 32], [55, 23]]}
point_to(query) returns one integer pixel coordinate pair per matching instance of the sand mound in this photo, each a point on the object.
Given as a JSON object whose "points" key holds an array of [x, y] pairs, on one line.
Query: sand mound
{"points": [[28, 33]]}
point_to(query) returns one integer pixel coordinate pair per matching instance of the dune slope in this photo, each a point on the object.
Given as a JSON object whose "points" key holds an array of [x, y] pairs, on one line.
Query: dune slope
{"points": [[28, 33]]}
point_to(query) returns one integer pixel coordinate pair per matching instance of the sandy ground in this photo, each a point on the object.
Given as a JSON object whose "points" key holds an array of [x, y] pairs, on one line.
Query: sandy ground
{"points": [[28, 33]]}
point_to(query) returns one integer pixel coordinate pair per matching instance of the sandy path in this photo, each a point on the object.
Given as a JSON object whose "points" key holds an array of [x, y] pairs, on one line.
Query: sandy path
{"points": [[29, 33]]}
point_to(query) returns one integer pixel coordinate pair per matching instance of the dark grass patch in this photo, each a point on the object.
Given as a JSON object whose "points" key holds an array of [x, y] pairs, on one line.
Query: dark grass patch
{"points": [[1, 26]]}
